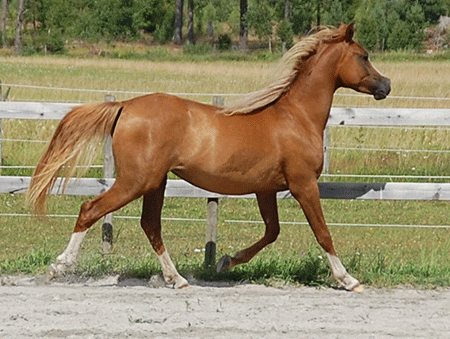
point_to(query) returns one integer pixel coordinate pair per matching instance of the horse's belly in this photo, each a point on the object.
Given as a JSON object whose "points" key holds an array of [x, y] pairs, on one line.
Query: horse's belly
{"points": [[234, 170], [234, 184]]}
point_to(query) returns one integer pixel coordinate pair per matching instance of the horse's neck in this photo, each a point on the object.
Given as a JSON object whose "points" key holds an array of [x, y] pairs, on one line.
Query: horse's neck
{"points": [[312, 92]]}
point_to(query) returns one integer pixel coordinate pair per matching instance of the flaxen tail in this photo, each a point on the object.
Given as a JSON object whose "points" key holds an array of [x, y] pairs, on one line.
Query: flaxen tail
{"points": [[76, 141]]}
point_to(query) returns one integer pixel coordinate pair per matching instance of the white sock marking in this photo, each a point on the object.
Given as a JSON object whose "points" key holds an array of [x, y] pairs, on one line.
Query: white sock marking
{"points": [[70, 254]]}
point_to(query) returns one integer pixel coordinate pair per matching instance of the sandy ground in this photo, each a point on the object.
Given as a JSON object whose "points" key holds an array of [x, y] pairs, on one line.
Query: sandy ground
{"points": [[110, 308]]}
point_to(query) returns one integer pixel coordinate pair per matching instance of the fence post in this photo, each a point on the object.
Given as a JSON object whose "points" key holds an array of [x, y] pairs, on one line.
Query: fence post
{"points": [[108, 172], [212, 214], [218, 100], [1, 134], [3, 97], [212, 217], [326, 152], [1, 141]]}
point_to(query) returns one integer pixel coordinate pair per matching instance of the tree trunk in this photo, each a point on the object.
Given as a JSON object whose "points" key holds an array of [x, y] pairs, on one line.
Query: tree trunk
{"points": [[243, 32], [191, 36], [3, 22], [178, 35], [318, 13], [19, 23], [287, 10], [287, 15], [210, 28]]}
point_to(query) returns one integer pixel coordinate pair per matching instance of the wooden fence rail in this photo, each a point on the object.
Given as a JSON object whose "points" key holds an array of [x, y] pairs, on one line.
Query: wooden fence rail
{"points": [[338, 116], [180, 188], [183, 189]]}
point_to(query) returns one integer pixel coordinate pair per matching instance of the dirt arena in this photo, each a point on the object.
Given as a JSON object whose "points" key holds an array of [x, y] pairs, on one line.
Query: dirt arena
{"points": [[111, 308]]}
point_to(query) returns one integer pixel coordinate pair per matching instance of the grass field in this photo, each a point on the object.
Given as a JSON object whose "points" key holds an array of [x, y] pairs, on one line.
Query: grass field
{"points": [[375, 255]]}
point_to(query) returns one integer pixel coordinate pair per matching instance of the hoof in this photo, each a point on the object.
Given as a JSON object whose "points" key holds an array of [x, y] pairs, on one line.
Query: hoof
{"points": [[224, 264], [57, 269], [176, 282], [181, 284], [54, 270], [51, 273], [182, 287], [358, 289], [350, 284]]}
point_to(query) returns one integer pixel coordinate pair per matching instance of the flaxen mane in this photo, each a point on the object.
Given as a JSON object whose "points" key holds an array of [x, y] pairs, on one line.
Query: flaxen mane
{"points": [[290, 68]]}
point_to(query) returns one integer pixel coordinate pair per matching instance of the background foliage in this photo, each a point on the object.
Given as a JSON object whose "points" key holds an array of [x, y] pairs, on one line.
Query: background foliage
{"points": [[382, 24]]}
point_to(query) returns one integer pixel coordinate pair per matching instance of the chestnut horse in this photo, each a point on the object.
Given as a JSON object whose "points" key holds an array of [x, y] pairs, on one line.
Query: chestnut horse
{"points": [[268, 142]]}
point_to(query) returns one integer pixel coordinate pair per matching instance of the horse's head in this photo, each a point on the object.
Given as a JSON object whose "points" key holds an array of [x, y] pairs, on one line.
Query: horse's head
{"points": [[355, 69]]}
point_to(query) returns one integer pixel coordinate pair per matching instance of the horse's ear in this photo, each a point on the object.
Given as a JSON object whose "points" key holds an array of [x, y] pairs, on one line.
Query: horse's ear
{"points": [[350, 30]]}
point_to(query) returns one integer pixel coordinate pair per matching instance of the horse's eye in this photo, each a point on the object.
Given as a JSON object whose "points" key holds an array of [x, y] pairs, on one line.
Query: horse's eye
{"points": [[365, 57]]}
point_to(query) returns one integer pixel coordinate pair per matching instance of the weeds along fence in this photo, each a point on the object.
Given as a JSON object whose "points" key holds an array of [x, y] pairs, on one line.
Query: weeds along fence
{"points": [[402, 188]]}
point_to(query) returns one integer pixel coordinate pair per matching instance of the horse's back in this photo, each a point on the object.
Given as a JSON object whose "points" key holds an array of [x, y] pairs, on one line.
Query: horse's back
{"points": [[147, 106], [162, 118]]}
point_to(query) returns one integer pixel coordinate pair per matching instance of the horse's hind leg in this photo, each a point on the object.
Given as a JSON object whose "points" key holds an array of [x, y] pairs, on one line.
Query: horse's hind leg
{"points": [[151, 224], [90, 212], [267, 203]]}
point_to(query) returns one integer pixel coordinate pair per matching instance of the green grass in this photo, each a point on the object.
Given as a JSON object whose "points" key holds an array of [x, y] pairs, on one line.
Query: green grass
{"points": [[35, 261], [377, 256], [390, 151]]}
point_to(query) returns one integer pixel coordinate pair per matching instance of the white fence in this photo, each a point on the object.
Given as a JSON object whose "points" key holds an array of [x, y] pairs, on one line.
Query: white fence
{"points": [[328, 190]]}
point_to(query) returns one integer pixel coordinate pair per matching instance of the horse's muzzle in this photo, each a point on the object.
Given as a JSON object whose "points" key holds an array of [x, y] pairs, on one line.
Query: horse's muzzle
{"points": [[383, 88]]}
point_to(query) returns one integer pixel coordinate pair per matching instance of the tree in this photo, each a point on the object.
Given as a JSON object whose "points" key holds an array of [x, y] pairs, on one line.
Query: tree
{"points": [[400, 35], [287, 10], [335, 15], [19, 23], [3, 22], [114, 18], [415, 19], [243, 28], [178, 35], [433, 9], [260, 19], [286, 35], [191, 36], [301, 16], [156, 17], [51, 22], [148, 14], [371, 20], [318, 10]]}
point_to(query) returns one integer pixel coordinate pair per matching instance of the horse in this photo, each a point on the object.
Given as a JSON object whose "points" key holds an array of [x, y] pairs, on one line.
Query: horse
{"points": [[270, 141]]}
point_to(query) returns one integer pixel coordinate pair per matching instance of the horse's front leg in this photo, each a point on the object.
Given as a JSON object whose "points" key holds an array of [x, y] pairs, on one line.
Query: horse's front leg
{"points": [[308, 196], [267, 203]]}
